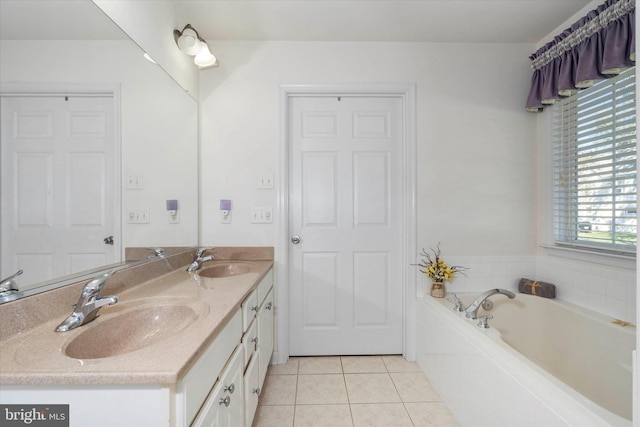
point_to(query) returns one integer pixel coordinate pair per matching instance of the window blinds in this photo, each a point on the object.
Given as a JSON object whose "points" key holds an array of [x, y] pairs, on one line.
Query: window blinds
{"points": [[594, 183]]}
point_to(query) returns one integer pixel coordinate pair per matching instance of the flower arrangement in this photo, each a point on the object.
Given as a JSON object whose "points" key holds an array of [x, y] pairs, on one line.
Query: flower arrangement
{"points": [[436, 268]]}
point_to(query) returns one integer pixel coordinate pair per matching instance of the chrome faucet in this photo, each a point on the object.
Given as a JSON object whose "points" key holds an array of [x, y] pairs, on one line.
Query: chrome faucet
{"points": [[200, 259], [457, 304], [471, 312], [86, 309], [9, 284], [157, 253]]}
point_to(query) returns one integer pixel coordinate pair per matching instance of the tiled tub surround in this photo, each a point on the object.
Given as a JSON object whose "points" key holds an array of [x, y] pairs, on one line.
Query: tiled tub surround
{"points": [[31, 352], [605, 289], [485, 382]]}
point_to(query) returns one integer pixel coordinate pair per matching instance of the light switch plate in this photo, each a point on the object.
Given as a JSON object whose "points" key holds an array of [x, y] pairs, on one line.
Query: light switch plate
{"points": [[134, 182], [265, 181], [261, 215], [138, 216]]}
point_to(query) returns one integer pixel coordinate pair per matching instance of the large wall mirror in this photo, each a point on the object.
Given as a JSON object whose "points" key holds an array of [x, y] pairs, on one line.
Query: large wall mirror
{"points": [[95, 140]]}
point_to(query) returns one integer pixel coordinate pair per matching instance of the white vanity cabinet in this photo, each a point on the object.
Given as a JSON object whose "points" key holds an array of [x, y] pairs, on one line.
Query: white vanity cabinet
{"points": [[258, 341], [225, 405], [193, 389], [250, 338]]}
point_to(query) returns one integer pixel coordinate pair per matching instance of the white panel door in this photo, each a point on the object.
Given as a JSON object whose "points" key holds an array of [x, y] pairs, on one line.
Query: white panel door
{"points": [[345, 212], [58, 185]]}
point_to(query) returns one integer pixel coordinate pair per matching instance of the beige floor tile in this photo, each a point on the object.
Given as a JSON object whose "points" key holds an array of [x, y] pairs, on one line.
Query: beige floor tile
{"points": [[289, 368], [397, 363], [362, 364], [414, 387], [371, 388], [320, 365], [279, 390], [431, 414], [323, 416], [380, 415], [321, 389], [274, 416]]}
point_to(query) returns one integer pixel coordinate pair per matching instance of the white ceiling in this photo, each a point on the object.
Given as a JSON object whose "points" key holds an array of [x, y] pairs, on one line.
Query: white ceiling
{"points": [[464, 21]]}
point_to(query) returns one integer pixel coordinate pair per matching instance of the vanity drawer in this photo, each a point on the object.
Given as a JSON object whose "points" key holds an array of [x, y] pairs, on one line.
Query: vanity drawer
{"points": [[265, 285], [250, 342], [197, 383], [251, 390], [249, 309]]}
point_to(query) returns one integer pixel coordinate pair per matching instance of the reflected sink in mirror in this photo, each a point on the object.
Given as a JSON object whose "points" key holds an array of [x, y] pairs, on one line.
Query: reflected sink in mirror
{"points": [[132, 330], [228, 269]]}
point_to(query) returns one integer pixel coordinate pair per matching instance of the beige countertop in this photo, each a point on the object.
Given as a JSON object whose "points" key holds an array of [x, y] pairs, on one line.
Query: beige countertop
{"points": [[37, 355]]}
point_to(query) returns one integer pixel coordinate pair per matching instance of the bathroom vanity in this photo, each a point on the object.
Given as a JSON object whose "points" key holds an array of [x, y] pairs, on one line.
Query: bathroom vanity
{"points": [[180, 349]]}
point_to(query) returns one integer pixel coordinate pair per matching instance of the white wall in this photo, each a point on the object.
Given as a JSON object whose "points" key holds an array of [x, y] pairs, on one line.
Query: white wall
{"points": [[158, 120], [476, 144], [151, 25]]}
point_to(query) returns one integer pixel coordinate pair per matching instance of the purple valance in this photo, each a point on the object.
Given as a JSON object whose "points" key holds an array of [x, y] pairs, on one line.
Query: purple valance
{"points": [[597, 47]]}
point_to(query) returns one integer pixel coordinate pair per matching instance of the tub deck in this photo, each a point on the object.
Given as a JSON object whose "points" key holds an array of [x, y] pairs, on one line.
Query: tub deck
{"points": [[481, 376]]}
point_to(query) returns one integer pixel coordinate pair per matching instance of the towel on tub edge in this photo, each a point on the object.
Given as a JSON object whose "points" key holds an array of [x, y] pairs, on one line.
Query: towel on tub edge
{"points": [[533, 287]]}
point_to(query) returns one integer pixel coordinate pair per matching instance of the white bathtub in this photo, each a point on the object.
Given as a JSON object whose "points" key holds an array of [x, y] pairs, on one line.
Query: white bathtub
{"points": [[542, 363]]}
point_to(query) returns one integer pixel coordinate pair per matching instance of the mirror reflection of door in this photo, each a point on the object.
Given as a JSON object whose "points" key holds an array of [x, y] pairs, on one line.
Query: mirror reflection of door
{"points": [[59, 172]]}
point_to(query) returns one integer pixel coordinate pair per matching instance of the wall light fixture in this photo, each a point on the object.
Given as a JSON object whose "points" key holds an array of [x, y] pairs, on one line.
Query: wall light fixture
{"points": [[190, 42]]}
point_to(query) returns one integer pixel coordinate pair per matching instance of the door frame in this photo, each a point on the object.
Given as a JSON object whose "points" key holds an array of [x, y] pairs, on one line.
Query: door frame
{"points": [[27, 89], [405, 91]]}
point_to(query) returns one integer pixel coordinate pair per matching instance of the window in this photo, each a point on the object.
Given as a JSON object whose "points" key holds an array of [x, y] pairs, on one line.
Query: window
{"points": [[594, 183]]}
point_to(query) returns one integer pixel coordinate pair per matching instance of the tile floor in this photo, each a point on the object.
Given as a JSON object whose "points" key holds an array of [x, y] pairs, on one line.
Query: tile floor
{"points": [[336, 391]]}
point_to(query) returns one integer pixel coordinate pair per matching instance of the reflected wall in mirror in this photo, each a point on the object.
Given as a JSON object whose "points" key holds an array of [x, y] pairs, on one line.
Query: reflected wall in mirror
{"points": [[95, 140]]}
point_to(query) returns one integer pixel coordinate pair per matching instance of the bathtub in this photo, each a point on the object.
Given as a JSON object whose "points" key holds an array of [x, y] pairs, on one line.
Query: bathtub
{"points": [[541, 363]]}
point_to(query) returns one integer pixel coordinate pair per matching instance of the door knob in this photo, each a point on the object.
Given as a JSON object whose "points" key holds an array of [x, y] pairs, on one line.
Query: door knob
{"points": [[108, 240], [295, 240]]}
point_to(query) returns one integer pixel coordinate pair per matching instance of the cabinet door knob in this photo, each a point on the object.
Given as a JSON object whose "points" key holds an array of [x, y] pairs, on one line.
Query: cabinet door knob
{"points": [[254, 308], [226, 401], [269, 305], [230, 388], [255, 340], [256, 390]]}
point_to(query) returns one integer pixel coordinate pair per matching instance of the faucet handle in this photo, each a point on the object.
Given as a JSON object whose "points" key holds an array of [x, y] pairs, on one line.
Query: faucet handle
{"points": [[201, 252], [457, 304], [97, 283], [157, 253], [9, 284], [483, 321]]}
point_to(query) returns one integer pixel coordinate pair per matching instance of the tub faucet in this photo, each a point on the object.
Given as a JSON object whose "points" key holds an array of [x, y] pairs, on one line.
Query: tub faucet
{"points": [[9, 284], [471, 312], [86, 309], [200, 259]]}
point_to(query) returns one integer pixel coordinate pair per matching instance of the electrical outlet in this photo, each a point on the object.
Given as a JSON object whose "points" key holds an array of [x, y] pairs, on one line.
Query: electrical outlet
{"points": [[261, 215], [138, 216]]}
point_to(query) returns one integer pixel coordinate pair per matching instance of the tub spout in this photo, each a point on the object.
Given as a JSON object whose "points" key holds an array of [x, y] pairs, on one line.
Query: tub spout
{"points": [[471, 312]]}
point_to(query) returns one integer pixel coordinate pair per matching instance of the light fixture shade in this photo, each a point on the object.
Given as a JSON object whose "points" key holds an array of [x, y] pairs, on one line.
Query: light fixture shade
{"points": [[188, 41], [204, 58]]}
